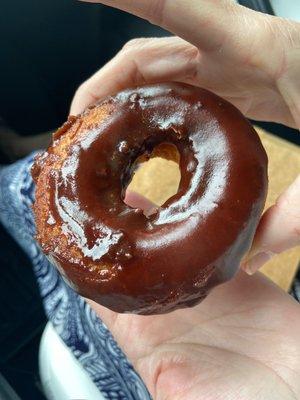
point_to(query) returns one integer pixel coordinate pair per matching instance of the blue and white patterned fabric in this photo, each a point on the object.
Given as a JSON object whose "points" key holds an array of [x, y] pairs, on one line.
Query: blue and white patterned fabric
{"points": [[76, 323]]}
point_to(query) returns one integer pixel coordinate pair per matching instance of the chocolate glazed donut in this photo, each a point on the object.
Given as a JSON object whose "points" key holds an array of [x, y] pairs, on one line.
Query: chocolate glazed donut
{"points": [[112, 253]]}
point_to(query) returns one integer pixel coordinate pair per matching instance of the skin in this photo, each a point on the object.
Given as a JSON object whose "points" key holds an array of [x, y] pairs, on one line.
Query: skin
{"points": [[242, 342]]}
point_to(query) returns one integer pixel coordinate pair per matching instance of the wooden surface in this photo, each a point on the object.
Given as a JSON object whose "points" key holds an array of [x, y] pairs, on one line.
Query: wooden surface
{"points": [[284, 166]]}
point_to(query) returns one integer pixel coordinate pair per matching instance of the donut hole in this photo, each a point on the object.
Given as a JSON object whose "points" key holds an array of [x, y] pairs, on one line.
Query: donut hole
{"points": [[155, 179]]}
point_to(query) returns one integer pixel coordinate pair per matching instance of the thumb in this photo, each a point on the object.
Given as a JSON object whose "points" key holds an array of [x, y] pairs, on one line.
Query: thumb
{"points": [[278, 230]]}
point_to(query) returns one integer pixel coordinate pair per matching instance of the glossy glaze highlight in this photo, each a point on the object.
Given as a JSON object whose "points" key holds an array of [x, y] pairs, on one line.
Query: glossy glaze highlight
{"points": [[114, 254]]}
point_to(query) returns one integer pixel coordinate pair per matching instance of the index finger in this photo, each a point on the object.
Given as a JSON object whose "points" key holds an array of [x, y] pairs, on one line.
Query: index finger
{"points": [[201, 22]]}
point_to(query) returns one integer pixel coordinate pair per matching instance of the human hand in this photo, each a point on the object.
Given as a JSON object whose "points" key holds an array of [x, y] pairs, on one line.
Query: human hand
{"points": [[241, 343], [250, 59], [246, 57]]}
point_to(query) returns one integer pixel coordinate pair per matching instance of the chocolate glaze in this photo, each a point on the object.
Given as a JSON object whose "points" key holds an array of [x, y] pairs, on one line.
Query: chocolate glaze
{"points": [[113, 254]]}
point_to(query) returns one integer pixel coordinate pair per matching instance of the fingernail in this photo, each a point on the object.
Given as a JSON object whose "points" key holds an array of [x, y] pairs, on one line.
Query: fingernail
{"points": [[257, 261]]}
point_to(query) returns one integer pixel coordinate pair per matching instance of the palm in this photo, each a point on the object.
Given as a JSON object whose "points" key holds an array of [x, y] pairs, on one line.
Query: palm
{"points": [[240, 343]]}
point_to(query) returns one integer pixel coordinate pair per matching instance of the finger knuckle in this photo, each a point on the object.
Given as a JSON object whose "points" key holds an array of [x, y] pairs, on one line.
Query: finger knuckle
{"points": [[136, 44], [157, 11], [192, 61], [81, 89]]}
